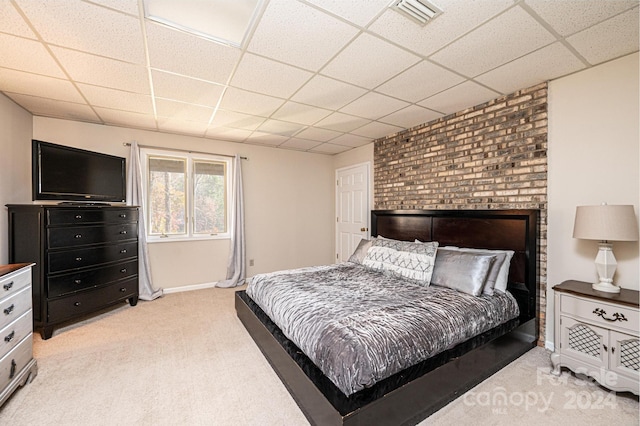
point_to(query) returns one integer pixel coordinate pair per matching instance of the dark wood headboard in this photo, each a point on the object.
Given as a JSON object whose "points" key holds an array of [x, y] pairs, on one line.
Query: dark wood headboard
{"points": [[515, 230]]}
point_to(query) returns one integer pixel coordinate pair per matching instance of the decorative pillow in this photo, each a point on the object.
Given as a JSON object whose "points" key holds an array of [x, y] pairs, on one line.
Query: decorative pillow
{"points": [[462, 271], [403, 258], [361, 251], [503, 273]]}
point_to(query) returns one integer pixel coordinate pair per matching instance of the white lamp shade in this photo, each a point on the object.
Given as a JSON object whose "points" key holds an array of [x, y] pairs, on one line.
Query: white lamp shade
{"points": [[606, 223]]}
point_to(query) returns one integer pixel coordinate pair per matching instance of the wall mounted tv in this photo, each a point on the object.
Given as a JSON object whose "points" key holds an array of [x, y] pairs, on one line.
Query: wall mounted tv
{"points": [[71, 174]]}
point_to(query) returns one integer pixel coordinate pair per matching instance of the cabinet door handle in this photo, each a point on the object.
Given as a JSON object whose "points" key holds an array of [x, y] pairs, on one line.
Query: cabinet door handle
{"points": [[605, 348], [7, 311], [9, 337], [616, 316], [8, 286]]}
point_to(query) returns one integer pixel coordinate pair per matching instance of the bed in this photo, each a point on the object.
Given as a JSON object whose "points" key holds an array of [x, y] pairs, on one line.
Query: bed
{"points": [[413, 392]]}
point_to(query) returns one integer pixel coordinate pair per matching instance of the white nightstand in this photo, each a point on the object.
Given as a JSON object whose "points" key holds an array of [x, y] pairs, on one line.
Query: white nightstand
{"points": [[597, 334]]}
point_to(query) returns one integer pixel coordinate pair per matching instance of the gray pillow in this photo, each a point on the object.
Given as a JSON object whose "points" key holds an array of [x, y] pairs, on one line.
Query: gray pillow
{"points": [[361, 251], [462, 271]]}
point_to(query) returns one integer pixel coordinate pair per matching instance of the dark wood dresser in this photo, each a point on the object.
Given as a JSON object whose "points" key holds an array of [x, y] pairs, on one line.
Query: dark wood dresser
{"points": [[86, 258]]}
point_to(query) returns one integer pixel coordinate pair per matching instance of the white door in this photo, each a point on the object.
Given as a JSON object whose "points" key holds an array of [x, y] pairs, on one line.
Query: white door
{"points": [[352, 209]]}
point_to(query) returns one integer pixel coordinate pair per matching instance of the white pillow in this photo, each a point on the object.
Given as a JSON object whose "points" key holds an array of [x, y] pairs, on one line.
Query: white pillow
{"points": [[403, 258]]}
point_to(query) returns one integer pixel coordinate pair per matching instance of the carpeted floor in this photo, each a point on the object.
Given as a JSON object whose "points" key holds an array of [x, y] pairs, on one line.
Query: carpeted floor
{"points": [[186, 359]]}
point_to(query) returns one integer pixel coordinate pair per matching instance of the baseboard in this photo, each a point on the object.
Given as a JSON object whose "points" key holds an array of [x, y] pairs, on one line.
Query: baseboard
{"points": [[188, 288], [549, 345]]}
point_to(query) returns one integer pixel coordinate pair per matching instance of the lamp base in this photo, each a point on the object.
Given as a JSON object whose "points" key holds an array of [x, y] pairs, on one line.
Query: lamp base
{"points": [[605, 286]]}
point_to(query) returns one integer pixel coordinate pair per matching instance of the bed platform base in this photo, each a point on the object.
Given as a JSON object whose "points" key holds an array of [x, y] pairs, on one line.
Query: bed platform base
{"points": [[408, 404], [415, 393]]}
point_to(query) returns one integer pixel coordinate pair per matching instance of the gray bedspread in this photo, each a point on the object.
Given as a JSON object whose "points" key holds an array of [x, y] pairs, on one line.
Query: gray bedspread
{"points": [[360, 326]]}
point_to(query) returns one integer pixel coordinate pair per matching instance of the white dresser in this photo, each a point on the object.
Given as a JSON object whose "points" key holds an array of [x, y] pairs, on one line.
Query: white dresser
{"points": [[596, 334], [17, 366]]}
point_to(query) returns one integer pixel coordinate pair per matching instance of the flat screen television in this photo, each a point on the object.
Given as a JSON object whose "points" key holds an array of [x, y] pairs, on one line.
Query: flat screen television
{"points": [[72, 175]]}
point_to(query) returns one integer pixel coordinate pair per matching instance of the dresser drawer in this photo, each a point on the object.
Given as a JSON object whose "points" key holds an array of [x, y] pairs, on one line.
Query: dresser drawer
{"points": [[601, 313], [60, 285], [12, 283], [84, 216], [13, 362], [14, 306], [86, 302], [83, 257], [85, 235], [13, 333]]}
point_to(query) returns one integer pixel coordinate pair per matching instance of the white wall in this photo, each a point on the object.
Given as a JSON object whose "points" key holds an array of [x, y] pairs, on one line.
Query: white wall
{"points": [[287, 200], [593, 158], [15, 147]]}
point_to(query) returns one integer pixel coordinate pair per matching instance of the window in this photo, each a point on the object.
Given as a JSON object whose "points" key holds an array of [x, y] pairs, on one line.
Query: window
{"points": [[186, 195]]}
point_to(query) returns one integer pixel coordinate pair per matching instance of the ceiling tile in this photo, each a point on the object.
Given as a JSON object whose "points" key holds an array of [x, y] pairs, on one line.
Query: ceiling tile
{"points": [[312, 37], [280, 127], [127, 6], [353, 141], [342, 122], [86, 27], [329, 148], [570, 16], [411, 116], [185, 127], [299, 144], [300, 113], [183, 111], [459, 17], [38, 85], [100, 71], [317, 134], [545, 64], [188, 55], [376, 130], [12, 52], [236, 120], [249, 103], [266, 139], [258, 74], [419, 82], [184, 89], [227, 134], [524, 35], [460, 97], [116, 99], [126, 118], [53, 108], [373, 106], [360, 12], [369, 61], [610, 39], [12, 22], [327, 93]]}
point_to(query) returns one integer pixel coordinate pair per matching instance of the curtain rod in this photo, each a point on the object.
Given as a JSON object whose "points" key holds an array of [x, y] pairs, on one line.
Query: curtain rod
{"points": [[183, 150]]}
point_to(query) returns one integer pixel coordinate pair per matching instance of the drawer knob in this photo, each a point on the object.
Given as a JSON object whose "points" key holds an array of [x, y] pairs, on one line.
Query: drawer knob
{"points": [[123, 232], [78, 216], [123, 215], [123, 270], [8, 310], [77, 236], [123, 251], [9, 337], [13, 369], [77, 281], [123, 289], [78, 259], [616, 316], [8, 286], [77, 304]]}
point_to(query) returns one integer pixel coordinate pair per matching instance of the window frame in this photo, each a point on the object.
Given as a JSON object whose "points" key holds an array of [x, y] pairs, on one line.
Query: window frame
{"points": [[191, 159]]}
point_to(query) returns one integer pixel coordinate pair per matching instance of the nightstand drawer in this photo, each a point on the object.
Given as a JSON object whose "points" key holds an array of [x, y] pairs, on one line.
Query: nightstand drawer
{"points": [[14, 306], [15, 332], [10, 284], [13, 362], [601, 313]]}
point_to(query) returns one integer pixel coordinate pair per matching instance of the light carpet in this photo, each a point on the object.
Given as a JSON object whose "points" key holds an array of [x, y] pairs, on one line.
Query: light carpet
{"points": [[186, 359]]}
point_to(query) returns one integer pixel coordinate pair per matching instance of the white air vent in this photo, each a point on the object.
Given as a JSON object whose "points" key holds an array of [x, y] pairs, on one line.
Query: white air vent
{"points": [[419, 10]]}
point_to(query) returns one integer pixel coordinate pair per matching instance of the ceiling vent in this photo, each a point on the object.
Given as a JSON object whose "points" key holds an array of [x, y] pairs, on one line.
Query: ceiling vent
{"points": [[419, 10]]}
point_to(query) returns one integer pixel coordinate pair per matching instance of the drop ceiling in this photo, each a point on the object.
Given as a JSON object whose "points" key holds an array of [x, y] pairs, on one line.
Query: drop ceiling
{"points": [[322, 76]]}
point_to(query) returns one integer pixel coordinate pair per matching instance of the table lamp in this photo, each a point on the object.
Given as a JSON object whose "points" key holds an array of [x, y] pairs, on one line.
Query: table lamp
{"points": [[606, 223]]}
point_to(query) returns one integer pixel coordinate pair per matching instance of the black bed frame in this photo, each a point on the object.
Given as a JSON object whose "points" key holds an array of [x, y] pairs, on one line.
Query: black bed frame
{"points": [[413, 394]]}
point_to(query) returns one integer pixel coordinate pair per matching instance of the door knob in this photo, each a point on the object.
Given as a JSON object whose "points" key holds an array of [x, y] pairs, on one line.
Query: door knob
{"points": [[364, 229]]}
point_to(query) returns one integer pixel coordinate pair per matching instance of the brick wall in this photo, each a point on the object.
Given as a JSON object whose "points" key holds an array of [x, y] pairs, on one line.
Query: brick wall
{"points": [[491, 156]]}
